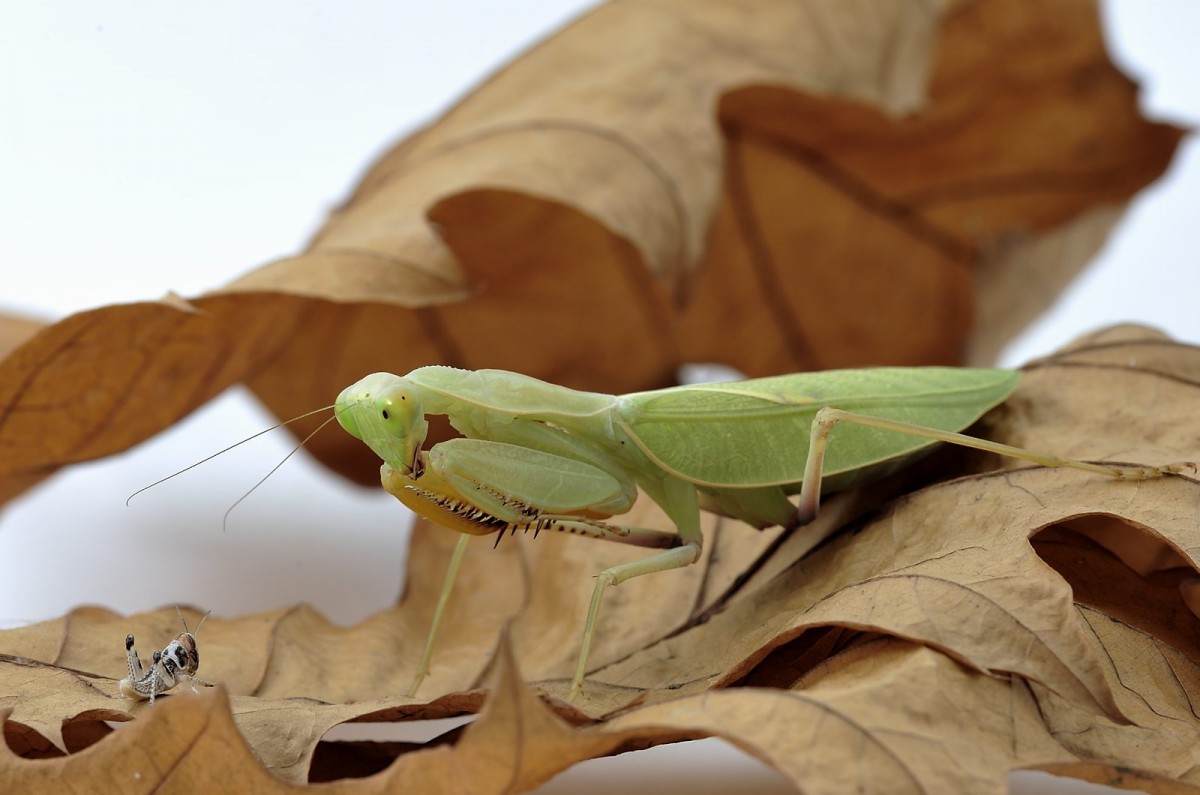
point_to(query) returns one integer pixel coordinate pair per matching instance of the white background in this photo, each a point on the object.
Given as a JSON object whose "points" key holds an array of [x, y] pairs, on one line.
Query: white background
{"points": [[155, 146]]}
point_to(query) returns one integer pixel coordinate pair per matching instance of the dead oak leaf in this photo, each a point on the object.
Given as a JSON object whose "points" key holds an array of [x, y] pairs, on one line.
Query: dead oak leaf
{"points": [[40, 700], [1156, 686], [172, 752], [887, 717], [657, 183]]}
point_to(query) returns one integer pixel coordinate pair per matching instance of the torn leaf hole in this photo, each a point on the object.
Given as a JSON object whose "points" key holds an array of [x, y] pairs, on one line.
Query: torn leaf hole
{"points": [[362, 749], [1129, 573]]}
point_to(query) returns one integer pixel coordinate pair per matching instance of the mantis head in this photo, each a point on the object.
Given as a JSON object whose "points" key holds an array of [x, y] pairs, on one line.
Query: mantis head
{"points": [[384, 411]]}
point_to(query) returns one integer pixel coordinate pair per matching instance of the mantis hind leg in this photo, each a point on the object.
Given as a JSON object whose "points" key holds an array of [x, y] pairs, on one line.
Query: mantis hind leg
{"points": [[828, 417]]}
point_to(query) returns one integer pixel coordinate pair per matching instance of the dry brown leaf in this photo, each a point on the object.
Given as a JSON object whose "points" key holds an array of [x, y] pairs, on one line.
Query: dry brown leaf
{"points": [[176, 752], [926, 645], [193, 745], [1155, 684], [15, 331], [891, 717], [885, 717], [658, 183]]}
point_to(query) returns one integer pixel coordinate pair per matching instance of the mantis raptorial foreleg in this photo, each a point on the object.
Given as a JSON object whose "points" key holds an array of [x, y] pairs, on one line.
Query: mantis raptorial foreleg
{"points": [[827, 418], [462, 483]]}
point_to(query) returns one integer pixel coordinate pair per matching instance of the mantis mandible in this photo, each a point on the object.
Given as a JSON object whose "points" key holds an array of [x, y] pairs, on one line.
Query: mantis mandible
{"points": [[536, 456]]}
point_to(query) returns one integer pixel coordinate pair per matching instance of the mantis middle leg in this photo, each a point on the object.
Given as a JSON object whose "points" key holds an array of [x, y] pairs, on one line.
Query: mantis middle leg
{"points": [[636, 536], [679, 500]]}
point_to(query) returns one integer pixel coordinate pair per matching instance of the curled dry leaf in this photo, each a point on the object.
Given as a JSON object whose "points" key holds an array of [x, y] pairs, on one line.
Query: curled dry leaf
{"points": [[15, 331], [889, 716], [658, 183], [1012, 618]]}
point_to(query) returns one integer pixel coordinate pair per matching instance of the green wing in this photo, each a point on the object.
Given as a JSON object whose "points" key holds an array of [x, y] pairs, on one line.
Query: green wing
{"points": [[755, 433]]}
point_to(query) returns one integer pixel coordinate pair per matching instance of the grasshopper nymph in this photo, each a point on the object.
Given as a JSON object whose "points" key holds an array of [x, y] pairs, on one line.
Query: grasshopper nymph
{"points": [[177, 662]]}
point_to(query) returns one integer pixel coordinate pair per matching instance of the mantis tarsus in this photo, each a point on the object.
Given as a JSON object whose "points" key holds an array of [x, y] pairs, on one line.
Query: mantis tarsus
{"points": [[536, 456]]}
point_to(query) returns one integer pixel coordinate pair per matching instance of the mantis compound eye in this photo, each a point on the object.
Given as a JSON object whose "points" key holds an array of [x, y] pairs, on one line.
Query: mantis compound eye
{"points": [[399, 409]]}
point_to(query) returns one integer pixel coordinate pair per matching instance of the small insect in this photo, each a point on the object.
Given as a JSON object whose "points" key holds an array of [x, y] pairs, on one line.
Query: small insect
{"points": [[177, 662]]}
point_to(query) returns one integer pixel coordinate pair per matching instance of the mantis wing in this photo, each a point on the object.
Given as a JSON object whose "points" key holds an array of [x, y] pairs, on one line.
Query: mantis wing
{"points": [[756, 433]]}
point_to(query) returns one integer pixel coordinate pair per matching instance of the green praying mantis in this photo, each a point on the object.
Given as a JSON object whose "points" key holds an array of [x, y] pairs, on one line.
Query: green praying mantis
{"points": [[541, 457]]}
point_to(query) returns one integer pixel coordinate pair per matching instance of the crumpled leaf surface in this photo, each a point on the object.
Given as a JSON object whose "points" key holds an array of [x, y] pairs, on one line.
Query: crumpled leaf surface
{"points": [[933, 641], [658, 183], [16, 331]]}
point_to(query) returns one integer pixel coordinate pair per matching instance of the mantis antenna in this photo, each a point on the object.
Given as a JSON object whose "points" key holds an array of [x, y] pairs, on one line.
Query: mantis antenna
{"points": [[225, 518], [274, 469], [206, 459]]}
